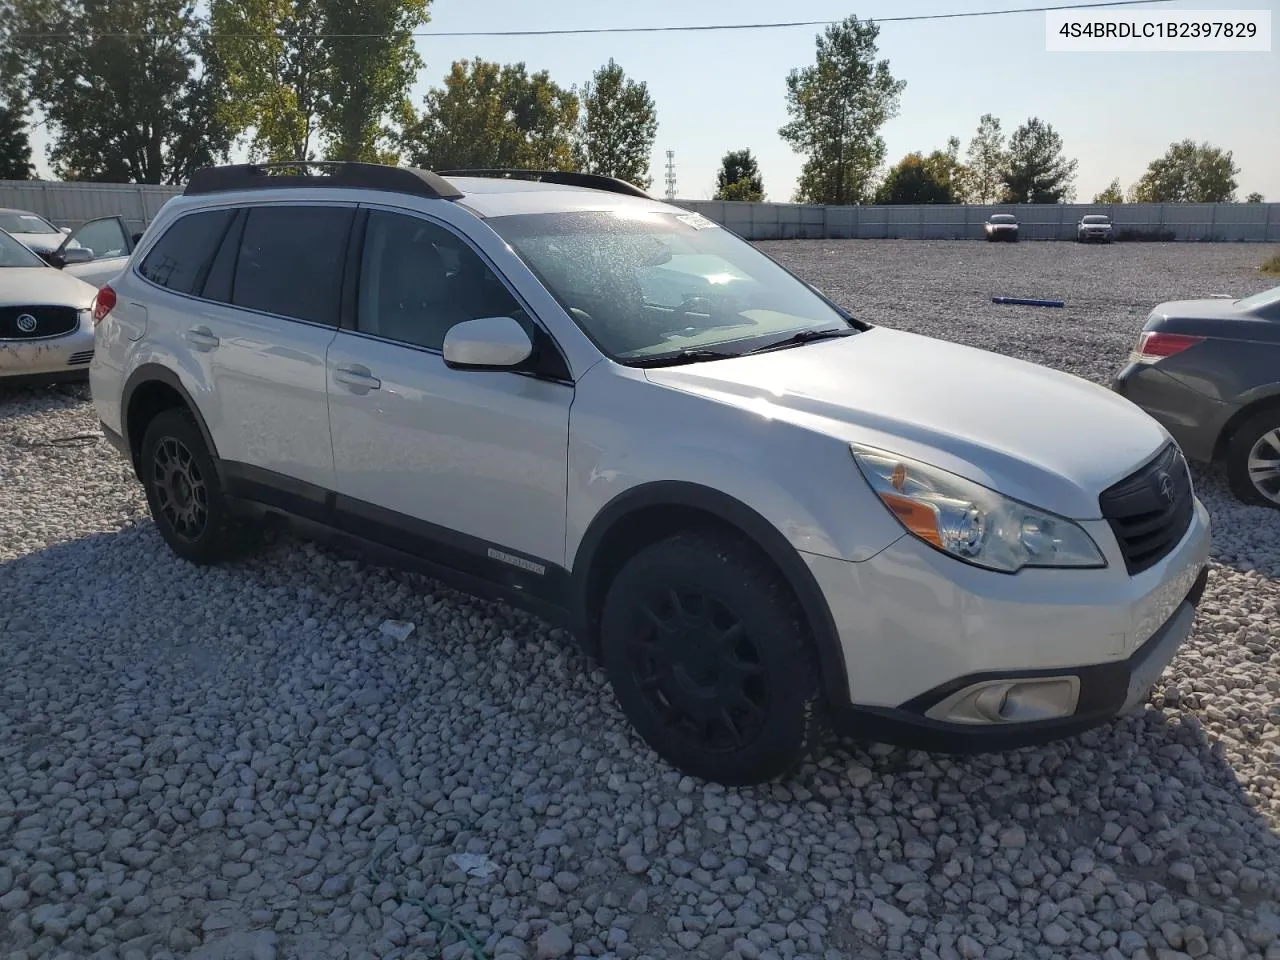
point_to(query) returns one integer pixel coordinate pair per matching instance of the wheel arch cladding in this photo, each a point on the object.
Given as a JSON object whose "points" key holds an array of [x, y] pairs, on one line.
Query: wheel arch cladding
{"points": [[150, 390], [651, 512]]}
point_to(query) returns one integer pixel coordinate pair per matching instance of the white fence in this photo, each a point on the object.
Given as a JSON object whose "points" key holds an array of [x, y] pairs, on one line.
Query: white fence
{"points": [[1257, 222], [68, 204]]}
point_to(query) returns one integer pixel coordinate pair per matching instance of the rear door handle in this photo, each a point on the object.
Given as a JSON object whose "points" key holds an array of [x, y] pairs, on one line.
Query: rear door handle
{"points": [[202, 338], [357, 377]]}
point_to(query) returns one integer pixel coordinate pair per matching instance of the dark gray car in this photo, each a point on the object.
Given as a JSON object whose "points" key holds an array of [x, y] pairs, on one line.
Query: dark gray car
{"points": [[1209, 370]]}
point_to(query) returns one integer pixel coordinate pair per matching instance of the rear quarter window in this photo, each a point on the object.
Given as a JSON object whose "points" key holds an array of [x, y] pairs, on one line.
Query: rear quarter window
{"points": [[181, 257]]}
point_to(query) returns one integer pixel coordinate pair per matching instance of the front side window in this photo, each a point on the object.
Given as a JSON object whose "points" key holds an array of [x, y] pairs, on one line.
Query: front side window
{"points": [[12, 222], [15, 254], [290, 261], [418, 279], [180, 259], [102, 238], [655, 284]]}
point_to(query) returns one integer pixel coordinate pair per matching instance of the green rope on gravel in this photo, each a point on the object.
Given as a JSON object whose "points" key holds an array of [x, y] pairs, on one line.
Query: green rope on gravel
{"points": [[374, 873]]}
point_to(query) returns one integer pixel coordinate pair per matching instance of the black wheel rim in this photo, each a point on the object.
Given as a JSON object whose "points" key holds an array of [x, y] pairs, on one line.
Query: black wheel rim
{"points": [[181, 495], [698, 669]]}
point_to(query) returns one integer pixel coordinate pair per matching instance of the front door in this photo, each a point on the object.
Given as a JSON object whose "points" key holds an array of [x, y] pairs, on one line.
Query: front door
{"points": [[467, 465]]}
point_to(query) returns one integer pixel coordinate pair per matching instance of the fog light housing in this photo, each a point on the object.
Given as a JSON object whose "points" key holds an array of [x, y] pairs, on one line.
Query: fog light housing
{"points": [[1013, 700]]}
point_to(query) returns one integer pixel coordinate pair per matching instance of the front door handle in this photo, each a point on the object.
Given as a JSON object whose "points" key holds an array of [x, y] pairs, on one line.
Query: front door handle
{"points": [[202, 338], [357, 377]]}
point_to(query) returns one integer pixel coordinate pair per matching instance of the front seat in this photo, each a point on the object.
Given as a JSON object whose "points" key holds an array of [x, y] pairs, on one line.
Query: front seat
{"points": [[414, 302]]}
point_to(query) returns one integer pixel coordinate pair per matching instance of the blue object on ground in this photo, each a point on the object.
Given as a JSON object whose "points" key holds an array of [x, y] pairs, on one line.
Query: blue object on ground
{"points": [[1023, 301]]}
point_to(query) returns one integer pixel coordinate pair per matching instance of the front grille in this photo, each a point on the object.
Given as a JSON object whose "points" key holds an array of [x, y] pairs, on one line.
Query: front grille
{"points": [[78, 359], [37, 322], [1150, 510]]}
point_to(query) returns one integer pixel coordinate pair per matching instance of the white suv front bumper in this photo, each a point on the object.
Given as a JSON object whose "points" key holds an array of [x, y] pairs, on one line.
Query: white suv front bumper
{"points": [[931, 644]]}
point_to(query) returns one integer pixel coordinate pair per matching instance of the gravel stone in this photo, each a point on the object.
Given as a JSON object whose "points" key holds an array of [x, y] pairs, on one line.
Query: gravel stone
{"points": [[192, 758]]}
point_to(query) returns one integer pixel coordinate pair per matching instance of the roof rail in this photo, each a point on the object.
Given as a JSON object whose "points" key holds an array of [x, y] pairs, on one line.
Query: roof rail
{"points": [[332, 173], [565, 178]]}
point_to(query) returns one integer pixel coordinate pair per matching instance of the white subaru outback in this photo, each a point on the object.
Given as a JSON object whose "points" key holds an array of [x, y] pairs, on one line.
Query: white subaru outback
{"points": [[765, 517]]}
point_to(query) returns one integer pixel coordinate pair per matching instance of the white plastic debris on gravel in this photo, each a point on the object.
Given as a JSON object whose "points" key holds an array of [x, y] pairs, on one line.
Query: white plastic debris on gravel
{"points": [[250, 762]]}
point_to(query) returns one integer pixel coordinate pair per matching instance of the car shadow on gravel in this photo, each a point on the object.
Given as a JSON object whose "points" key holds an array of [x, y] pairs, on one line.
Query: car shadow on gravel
{"points": [[1165, 821]]}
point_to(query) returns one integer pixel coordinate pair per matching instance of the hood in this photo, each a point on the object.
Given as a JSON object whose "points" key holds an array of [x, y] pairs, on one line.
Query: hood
{"points": [[40, 242], [1043, 437], [20, 286]]}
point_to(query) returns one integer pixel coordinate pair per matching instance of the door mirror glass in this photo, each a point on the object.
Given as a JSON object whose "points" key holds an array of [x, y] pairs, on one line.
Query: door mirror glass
{"points": [[489, 343]]}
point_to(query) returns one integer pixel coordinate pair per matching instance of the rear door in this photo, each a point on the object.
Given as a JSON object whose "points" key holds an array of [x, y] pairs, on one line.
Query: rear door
{"points": [[269, 311]]}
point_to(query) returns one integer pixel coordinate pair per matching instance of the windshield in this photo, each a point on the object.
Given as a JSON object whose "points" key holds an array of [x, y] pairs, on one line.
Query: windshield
{"points": [[1003, 218], [1095, 219], [14, 254], [1267, 298], [649, 285], [12, 221]]}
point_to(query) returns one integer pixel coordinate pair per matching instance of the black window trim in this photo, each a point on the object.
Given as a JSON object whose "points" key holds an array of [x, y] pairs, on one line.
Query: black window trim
{"points": [[347, 316], [236, 206]]}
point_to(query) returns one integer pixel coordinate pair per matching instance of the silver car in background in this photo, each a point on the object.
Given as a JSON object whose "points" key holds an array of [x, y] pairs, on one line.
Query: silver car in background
{"points": [[1094, 228], [32, 230], [46, 319]]}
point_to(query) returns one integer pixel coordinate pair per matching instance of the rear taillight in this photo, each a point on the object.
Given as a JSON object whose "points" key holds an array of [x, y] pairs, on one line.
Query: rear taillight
{"points": [[1154, 345], [102, 303]]}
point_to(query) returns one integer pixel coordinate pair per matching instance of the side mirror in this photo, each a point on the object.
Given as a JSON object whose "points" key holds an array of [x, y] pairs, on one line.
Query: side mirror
{"points": [[65, 229], [74, 255], [489, 343]]}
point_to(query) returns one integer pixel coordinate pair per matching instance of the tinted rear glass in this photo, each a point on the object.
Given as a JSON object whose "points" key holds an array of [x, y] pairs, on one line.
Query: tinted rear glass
{"points": [[180, 259], [290, 261]]}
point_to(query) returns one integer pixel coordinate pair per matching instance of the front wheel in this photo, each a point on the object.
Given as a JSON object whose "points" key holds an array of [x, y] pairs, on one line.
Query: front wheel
{"points": [[711, 661], [1253, 459]]}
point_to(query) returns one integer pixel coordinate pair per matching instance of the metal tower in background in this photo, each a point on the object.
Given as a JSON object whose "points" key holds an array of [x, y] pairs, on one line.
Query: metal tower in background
{"points": [[671, 174]]}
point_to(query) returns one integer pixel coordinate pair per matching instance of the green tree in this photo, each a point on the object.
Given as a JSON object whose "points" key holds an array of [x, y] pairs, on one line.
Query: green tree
{"points": [[1189, 173], [130, 89], [275, 66], [837, 108], [15, 147], [739, 177], [1113, 194], [987, 158], [492, 115], [1255, 197], [913, 180], [371, 64], [944, 167], [618, 125], [1036, 170]]}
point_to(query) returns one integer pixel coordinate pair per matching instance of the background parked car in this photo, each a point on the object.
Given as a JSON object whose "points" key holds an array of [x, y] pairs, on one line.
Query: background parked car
{"points": [[1094, 228], [32, 229], [96, 251], [46, 326], [1002, 226], [1209, 370]]}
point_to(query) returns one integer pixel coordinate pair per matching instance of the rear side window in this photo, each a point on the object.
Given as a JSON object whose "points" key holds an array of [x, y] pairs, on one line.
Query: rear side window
{"points": [[180, 259], [290, 261]]}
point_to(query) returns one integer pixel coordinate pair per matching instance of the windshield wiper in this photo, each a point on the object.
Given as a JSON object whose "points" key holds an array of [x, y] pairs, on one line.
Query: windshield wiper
{"points": [[691, 355], [806, 336]]}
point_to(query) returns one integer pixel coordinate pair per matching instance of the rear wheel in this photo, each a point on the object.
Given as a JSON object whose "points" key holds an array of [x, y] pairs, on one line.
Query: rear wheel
{"points": [[710, 660], [1253, 459], [181, 483]]}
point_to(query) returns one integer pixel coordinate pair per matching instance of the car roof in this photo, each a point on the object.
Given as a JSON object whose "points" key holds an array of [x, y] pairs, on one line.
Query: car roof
{"points": [[25, 213], [485, 193]]}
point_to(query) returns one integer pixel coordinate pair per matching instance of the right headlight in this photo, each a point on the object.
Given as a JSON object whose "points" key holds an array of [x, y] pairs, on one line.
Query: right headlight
{"points": [[971, 522]]}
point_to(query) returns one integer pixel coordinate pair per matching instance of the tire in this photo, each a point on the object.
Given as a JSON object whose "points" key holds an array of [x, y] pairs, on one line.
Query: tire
{"points": [[1257, 439], [181, 481], [711, 662]]}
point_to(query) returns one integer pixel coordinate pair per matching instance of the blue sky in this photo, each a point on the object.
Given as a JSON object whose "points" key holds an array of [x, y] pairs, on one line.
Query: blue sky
{"points": [[721, 91]]}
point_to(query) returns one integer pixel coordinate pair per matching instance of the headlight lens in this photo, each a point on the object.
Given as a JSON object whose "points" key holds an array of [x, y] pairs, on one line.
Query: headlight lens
{"points": [[972, 522]]}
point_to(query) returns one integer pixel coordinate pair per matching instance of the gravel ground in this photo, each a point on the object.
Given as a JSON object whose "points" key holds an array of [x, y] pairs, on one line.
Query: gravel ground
{"points": [[243, 762]]}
